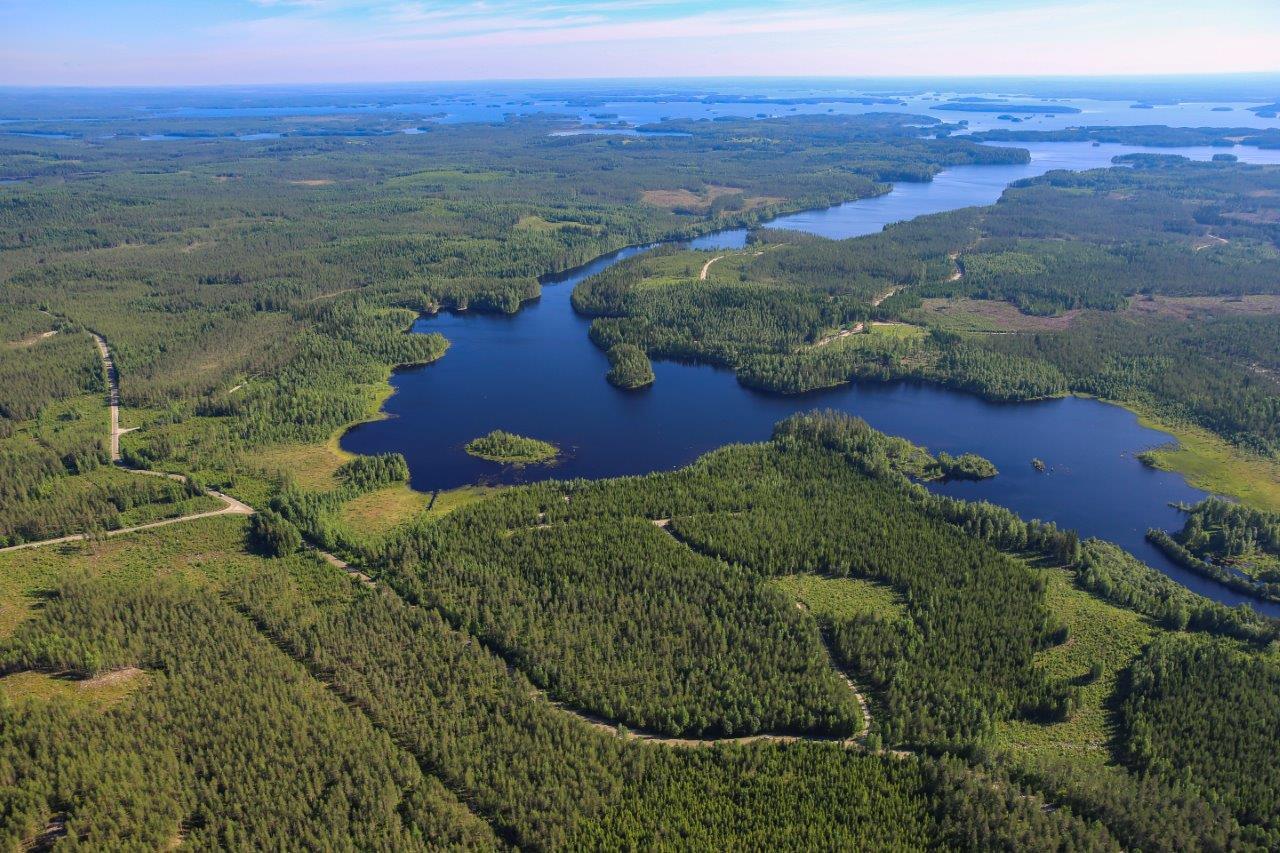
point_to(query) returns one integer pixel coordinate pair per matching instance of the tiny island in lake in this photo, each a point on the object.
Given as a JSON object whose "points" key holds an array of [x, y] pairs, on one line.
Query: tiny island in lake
{"points": [[631, 369], [511, 449]]}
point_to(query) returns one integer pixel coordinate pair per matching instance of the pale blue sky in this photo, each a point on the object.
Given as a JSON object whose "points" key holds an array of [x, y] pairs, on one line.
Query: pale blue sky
{"points": [[170, 42]]}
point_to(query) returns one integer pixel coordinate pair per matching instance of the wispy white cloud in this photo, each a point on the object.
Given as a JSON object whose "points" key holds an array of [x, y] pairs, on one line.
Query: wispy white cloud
{"points": [[297, 40]]}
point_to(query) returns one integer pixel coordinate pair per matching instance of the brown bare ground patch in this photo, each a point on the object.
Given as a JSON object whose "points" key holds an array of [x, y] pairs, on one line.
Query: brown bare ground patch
{"points": [[761, 201], [998, 316], [33, 340], [107, 679], [313, 182], [1202, 307], [672, 199]]}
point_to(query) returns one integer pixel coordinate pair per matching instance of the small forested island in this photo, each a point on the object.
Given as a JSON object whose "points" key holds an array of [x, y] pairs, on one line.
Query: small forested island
{"points": [[512, 449], [630, 367]]}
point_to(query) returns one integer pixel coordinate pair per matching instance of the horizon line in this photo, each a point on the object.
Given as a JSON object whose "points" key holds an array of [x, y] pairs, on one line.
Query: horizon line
{"points": [[1181, 75]]}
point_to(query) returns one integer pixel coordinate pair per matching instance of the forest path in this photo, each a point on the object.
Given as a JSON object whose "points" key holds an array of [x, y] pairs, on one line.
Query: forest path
{"points": [[858, 741], [113, 394], [855, 329], [706, 268], [622, 731], [881, 297], [230, 505]]}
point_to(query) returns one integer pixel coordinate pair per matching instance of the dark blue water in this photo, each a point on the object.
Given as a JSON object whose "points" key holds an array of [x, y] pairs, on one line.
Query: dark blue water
{"points": [[537, 374]]}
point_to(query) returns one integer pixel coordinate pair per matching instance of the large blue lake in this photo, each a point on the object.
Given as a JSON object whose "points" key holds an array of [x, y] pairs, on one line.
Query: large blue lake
{"points": [[536, 373]]}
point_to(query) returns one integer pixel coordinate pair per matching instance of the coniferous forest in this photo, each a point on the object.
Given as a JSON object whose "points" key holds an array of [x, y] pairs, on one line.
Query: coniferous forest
{"points": [[245, 637]]}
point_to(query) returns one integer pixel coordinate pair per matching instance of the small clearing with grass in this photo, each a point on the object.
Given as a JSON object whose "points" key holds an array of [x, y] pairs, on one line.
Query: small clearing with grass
{"points": [[1210, 463], [1099, 633], [987, 315], [102, 691], [840, 598], [379, 511]]}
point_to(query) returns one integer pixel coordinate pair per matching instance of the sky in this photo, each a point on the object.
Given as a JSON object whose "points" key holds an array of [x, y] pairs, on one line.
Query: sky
{"points": [[206, 42]]}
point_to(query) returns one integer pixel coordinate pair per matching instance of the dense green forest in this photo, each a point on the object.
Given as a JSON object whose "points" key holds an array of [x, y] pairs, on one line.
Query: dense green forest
{"points": [[629, 367], [1199, 709], [1246, 538], [479, 695], [611, 664]]}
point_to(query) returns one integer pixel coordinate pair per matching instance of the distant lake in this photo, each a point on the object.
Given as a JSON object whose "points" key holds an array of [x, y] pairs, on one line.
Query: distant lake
{"points": [[537, 374]]}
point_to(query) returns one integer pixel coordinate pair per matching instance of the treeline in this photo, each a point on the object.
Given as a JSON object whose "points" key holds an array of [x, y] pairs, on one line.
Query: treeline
{"points": [[1212, 372], [1153, 135], [1113, 574], [316, 515]]}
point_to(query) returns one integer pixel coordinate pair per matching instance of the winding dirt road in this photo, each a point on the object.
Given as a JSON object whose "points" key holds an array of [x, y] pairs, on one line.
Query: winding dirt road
{"points": [[230, 505], [706, 268]]}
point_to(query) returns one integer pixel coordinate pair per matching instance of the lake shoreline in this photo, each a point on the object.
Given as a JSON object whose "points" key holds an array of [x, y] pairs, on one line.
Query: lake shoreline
{"points": [[536, 372]]}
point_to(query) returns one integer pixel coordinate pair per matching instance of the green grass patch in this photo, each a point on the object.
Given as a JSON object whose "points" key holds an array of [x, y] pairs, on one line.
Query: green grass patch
{"points": [[100, 693], [455, 499], [379, 511], [897, 332], [1210, 463], [1100, 633], [541, 225], [208, 553], [840, 598]]}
